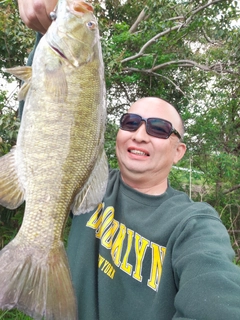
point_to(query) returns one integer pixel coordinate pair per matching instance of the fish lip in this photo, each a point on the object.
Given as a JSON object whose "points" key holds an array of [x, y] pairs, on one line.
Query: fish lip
{"points": [[146, 153], [80, 7]]}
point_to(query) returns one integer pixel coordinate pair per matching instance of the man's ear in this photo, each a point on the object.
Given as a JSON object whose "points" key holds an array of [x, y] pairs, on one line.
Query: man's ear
{"points": [[180, 151]]}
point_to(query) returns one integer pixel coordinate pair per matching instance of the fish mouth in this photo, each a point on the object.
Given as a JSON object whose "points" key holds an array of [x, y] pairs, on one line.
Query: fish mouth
{"points": [[79, 6], [59, 52]]}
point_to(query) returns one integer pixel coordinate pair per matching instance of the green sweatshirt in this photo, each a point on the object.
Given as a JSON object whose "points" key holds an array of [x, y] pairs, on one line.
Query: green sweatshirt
{"points": [[147, 257]]}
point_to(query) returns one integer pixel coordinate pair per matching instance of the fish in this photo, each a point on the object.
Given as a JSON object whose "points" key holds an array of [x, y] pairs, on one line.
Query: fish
{"points": [[58, 164]]}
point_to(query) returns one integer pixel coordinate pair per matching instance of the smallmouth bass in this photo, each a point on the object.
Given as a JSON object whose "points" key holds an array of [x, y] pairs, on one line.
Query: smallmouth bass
{"points": [[58, 163]]}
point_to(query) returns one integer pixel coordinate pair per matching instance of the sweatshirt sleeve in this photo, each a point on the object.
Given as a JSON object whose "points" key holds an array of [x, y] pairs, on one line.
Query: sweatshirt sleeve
{"points": [[207, 280]]}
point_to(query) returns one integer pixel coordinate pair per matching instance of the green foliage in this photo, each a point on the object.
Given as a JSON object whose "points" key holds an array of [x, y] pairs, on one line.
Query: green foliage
{"points": [[9, 125], [13, 315], [110, 137], [16, 39], [186, 52], [10, 222], [177, 26]]}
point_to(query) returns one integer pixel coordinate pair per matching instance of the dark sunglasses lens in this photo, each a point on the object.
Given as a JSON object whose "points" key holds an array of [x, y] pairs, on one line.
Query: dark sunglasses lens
{"points": [[159, 128], [130, 122], [155, 127]]}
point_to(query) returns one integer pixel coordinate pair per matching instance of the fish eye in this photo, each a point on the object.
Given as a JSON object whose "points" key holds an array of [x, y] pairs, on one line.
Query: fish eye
{"points": [[91, 25]]}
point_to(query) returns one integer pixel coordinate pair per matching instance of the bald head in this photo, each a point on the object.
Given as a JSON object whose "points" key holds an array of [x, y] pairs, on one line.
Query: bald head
{"points": [[159, 108]]}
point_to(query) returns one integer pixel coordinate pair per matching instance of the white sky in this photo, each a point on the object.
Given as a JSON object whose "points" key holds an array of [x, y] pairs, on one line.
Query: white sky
{"points": [[11, 88]]}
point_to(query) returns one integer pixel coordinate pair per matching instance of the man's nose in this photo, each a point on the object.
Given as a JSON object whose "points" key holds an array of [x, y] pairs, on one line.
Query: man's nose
{"points": [[141, 133]]}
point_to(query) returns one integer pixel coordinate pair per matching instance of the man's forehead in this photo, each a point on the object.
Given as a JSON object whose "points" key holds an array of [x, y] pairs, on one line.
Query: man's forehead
{"points": [[153, 107]]}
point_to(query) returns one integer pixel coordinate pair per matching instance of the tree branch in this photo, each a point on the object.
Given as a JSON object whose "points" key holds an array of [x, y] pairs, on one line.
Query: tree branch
{"points": [[140, 18], [148, 43], [176, 18], [232, 189], [185, 63], [163, 33], [154, 74], [216, 68], [207, 37], [210, 2]]}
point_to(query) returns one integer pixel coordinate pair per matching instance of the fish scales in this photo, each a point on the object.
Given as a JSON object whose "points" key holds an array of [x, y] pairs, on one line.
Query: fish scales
{"points": [[58, 162]]}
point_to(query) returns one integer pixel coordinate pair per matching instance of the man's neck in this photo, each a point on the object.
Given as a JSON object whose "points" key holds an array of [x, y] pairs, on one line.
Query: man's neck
{"points": [[147, 187]]}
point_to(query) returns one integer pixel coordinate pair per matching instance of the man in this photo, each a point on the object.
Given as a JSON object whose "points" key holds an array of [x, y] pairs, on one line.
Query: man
{"points": [[148, 251]]}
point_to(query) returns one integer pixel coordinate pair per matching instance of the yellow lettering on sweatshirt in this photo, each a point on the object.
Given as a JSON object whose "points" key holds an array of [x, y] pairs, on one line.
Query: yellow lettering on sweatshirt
{"points": [[107, 237], [106, 267], [125, 266], [113, 237], [158, 254], [141, 245], [100, 261], [107, 218], [96, 219], [117, 245]]}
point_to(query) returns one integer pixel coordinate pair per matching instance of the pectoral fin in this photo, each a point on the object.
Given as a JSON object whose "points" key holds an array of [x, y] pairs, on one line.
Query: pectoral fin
{"points": [[11, 191], [93, 191], [56, 83], [22, 73]]}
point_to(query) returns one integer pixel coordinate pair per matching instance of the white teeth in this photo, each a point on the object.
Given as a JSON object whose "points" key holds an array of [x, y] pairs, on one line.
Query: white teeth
{"points": [[138, 152]]}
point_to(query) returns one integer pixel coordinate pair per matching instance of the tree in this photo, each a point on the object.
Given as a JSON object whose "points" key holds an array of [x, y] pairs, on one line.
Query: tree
{"points": [[16, 40], [157, 47]]}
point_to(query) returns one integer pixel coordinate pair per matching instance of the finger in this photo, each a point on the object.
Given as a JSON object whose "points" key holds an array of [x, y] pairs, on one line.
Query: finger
{"points": [[36, 16], [43, 9], [42, 19]]}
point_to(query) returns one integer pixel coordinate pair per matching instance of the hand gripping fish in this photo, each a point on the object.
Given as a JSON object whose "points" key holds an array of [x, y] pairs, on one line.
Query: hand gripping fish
{"points": [[58, 163]]}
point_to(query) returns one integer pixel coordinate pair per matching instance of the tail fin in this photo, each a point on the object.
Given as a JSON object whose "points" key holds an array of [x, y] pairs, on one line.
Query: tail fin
{"points": [[37, 283]]}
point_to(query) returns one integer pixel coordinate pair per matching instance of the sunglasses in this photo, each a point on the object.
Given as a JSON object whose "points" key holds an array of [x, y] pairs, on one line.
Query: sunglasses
{"points": [[155, 127]]}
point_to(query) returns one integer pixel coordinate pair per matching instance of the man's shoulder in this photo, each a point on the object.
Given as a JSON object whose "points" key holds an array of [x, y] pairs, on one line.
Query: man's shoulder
{"points": [[182, 202]]}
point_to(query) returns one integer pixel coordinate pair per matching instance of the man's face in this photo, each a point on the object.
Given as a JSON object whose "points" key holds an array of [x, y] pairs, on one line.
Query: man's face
{"points": [[145, 155]]}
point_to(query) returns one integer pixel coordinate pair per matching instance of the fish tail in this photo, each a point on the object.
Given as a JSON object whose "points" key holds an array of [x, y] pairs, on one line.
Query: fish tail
{"points": [[37, 282]]}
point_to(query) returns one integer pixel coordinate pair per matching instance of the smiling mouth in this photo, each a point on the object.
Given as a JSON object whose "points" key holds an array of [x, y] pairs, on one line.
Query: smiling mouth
{"points": [[138, 152]]}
